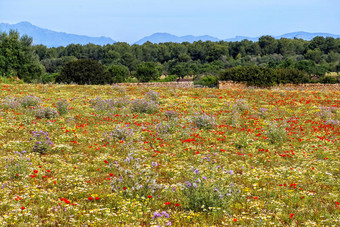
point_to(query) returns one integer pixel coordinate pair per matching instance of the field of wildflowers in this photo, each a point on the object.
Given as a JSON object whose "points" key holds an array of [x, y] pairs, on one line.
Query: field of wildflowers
{"points": [[105, 155]]}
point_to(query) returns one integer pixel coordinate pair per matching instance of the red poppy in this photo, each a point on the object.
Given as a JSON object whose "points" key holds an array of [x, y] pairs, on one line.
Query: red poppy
{"points": [[97, 198], [111, 174], [177, 204], [149, 196], [90, 198], [291, 215], [124, 188], [106, 161], [235, 220], [23, 208], [35, 171]]}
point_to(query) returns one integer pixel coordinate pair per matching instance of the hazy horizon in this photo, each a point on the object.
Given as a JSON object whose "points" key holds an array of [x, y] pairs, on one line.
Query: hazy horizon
{"points": [[133, 20]]}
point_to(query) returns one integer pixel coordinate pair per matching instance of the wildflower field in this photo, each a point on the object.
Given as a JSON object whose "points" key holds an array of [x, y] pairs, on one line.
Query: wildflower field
{"points": [[114, 156]]}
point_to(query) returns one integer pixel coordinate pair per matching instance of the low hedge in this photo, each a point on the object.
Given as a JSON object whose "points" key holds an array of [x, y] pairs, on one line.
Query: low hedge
{"points": [[264, 77]]}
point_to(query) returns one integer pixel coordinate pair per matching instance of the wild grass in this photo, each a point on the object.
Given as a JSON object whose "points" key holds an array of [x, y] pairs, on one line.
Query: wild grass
{"points": [[184, 157]]}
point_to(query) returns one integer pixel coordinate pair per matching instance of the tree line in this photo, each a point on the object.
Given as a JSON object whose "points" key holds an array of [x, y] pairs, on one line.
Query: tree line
{"points": [[121, 62]]}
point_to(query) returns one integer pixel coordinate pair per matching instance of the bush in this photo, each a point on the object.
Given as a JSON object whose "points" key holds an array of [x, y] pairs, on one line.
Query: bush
{"points": [[42, 142], [263, 77], [103, 106], [10, 103], [208, 81], [119, 133], [329, 80], [147, 71], [203, 121], [49, 78], [84, 71], [47, 112], [169, 78], [241, 105], [152, 96], [118, 73], [29, 101], [144, 106]]}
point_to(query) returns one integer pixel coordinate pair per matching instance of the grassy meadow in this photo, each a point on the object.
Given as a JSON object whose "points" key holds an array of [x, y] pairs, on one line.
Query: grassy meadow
{"points": [[74, 155]]}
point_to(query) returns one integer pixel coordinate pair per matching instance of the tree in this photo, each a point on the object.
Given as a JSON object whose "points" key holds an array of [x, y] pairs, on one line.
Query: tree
{"points": [[118, 73], [147, 71], [216, 51], [84, 71], [181, 70], [129, 60], [314, 55], [286, 47], [18, 58], [268, 44], [318, 42]]}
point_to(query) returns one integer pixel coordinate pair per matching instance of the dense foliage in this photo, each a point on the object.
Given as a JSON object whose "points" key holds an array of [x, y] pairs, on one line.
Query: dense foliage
{"points": [[263, 76], [18, 58], [147, 71], [316, 57], [84, 71], [118, 73]]}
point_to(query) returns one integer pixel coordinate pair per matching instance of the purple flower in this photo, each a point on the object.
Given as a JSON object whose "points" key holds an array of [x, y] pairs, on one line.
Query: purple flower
{"points": [[165, 214]]}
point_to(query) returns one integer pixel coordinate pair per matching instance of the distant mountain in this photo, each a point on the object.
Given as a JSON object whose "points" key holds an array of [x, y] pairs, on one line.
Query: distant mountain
{"points": [[52, 38], [299, 35], [306, 35], [55, 39], [166, 37], [240, 38]]}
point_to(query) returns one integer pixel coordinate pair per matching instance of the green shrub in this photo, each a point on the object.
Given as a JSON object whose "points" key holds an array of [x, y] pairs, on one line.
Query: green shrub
{"points": [[208, 81], [49, 78], [147, 71], [329, 80], [263, 77], [118, 73], [84, 71], [169, 78]]}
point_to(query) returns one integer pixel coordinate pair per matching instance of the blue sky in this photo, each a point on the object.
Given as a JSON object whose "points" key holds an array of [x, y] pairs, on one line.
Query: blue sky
{"points": [[130, 20]]}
